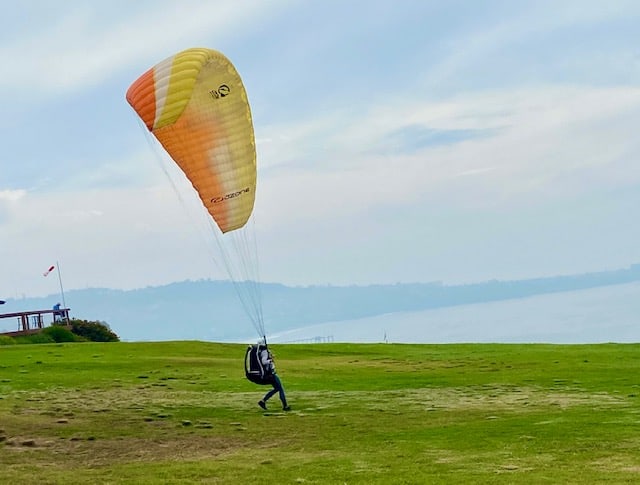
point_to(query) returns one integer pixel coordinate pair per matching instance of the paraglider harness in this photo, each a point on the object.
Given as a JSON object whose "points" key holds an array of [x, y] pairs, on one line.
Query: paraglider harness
{"points": [[253, 367]]}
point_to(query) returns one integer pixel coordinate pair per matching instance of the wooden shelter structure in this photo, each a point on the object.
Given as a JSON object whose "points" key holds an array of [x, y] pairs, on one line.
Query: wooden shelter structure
{"points": [[34, 321]]}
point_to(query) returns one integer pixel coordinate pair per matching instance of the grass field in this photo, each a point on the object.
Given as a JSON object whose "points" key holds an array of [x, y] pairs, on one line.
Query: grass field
{"points": [[182, 412]]}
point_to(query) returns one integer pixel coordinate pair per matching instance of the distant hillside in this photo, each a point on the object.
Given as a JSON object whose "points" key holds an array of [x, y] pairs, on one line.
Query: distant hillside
{"points": [[209, 310]]}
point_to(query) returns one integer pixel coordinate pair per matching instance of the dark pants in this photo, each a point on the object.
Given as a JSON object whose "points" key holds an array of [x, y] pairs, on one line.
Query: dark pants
{"points": [[277, 387]]}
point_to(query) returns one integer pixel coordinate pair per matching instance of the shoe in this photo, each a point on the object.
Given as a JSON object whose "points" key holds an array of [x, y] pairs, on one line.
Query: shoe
{"points": [[286, 408], [262, 404]]}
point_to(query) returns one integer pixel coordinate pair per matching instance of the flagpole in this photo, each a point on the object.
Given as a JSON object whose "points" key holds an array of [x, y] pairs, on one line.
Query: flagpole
{"points": [[64, 305]]}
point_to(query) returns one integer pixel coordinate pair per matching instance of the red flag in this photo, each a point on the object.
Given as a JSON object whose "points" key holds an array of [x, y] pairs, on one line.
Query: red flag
{"points": [[48, 271]]}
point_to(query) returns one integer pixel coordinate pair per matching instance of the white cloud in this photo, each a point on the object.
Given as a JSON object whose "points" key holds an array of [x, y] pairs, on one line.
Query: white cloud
{"points": [[114, 238], [473, 50], [545, 139], [79, 48], [552, 143], [12, 195]]}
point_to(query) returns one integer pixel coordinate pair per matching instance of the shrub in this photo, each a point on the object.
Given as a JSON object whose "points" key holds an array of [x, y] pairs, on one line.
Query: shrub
{"points": [[34, 338], [6, 340], [59, 334], [72, 331], [94, 331]]}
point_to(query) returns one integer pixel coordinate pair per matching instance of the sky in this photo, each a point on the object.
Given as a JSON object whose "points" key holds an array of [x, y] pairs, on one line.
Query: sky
{"points": [[409, 141]]}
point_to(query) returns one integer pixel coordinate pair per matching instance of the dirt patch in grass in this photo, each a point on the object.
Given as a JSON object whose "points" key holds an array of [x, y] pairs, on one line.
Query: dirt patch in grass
{"points": [[107, 452], [93, 422], [123, 406], [468, 398], [621, 458], [102, 427], [103, 452], [69, 403]]}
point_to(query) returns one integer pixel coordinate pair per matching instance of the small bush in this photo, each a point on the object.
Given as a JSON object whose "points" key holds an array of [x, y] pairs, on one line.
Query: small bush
{"points": [[94, 331], [59, 334], [72, 331], [6, 340], [34, 338]]}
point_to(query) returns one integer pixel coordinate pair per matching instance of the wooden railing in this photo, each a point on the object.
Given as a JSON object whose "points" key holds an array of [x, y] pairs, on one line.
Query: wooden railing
{"points": [[33, 321]]}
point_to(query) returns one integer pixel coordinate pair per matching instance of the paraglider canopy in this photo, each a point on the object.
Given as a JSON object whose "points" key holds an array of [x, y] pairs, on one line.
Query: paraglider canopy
{"points": [[196, 105]]}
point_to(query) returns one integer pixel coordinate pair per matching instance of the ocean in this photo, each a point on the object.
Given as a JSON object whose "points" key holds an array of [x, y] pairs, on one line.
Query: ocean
{"points": [[603, 314]]}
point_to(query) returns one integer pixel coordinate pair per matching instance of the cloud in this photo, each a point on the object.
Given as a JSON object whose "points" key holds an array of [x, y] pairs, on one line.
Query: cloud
{"points": [[11, 195], [8, 198], [413, 138], [83, 45], [476, 171], [533, 44], [133, 235], [550, 143]]}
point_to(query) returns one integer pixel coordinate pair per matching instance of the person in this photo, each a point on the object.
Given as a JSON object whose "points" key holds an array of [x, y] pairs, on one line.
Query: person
{"points": [[57, 313], [266, 358]]}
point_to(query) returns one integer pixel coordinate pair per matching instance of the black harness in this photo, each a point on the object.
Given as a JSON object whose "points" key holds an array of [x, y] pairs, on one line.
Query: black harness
{"points": [[253, 368]]}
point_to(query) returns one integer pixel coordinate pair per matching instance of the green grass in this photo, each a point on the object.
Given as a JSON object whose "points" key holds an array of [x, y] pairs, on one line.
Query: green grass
{"points": [[182, 412]]}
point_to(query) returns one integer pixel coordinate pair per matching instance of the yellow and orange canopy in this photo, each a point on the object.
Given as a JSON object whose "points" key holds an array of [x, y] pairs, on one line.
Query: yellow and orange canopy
{"points": [[195, 104]]}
